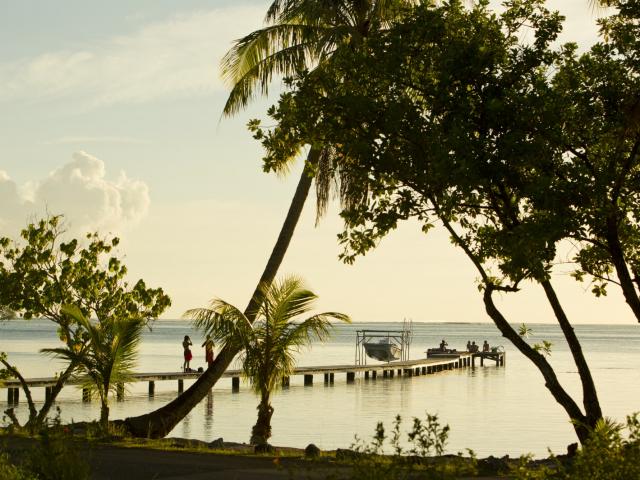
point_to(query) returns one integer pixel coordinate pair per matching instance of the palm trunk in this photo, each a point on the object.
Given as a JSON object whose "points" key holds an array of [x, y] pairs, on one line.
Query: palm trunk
{"points": [[261, 431], [104, 415], [159, 423]]}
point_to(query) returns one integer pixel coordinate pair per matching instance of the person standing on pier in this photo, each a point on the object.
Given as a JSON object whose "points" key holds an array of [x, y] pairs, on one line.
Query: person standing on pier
{"points": [[186, 343], [208, 350], [485, 346], [468, 345]]}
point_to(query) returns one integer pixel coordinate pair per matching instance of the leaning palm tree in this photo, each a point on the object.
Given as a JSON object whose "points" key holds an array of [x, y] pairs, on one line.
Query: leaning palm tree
{"points": [[299, 34], [107, 358], [267, 344]]}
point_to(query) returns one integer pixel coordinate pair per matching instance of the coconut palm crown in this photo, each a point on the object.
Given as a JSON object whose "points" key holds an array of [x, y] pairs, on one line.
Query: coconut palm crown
{"points": [[108, 357], [270, 343]]}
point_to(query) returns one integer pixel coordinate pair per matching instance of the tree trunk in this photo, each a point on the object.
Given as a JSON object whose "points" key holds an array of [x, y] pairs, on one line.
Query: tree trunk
{"points": [[589, 394], [159, 423], [617, 257], [44, 410], [261, 431], [104, 415], [580, 421]]}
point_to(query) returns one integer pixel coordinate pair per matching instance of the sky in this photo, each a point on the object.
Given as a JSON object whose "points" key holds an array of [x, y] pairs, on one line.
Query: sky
{"points": [[110, 113]]}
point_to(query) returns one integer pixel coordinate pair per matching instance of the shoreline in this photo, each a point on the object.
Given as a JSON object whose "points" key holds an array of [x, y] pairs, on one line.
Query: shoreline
{"points": [[176, 457]]}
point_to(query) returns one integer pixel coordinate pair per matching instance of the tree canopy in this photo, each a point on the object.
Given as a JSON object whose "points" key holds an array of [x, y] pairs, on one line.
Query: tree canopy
{"points": [[42, 274], [473, 120]]}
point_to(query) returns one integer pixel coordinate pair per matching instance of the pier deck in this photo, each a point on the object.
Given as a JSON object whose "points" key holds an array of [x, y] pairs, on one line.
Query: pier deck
{"points": [[423, 366]]}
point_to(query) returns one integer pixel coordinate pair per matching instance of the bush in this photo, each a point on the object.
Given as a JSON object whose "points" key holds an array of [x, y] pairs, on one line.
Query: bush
{"points": [[9, 471], [607, 455], [56, 456], [369, 460]]}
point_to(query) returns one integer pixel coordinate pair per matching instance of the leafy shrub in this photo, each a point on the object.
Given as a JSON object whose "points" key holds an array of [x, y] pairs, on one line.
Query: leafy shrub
{"points": [[56, 456], [369, 460], [9, 471], [607, 455]]}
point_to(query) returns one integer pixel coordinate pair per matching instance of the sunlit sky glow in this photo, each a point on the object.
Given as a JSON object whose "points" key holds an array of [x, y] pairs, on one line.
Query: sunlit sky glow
{"points": [[111, 114]]}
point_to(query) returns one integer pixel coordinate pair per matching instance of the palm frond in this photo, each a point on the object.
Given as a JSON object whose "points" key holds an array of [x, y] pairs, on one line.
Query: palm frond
{"points": [[283, 49], [225, 323]]}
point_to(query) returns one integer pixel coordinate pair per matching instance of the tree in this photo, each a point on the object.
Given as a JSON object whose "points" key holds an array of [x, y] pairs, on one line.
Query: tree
{"points": [[300, 34], [108, 355], [41, 275], [267, 344], [463, 124]]}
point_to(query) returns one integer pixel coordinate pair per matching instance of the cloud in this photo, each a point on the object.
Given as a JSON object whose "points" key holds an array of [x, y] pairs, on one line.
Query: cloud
{"points": [[79, 190], [176, 58]]}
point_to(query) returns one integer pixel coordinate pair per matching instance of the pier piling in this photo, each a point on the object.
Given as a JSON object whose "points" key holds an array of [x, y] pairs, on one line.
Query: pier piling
{"points": [[235, 384]]}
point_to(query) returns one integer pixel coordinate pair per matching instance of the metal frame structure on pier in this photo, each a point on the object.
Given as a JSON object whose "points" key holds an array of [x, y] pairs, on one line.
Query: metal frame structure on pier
{"points": [[400, 338]]}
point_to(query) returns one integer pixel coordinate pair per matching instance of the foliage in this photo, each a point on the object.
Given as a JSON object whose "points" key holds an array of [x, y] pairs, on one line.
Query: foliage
{"points": [[43, 273], [427, 438], [270, 343], [57, 456], [108, 356], [6, 313], [9, 471], [473, 120], [607, 454]]}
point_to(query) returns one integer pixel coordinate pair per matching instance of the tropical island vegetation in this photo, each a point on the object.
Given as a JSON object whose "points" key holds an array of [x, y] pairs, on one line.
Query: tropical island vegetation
{"points": [[447, 114]]}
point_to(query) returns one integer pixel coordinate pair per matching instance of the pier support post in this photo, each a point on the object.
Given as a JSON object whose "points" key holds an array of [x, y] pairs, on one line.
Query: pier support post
{"points": [[308, 380], [385, 373], [152, 388], [390, 373], [366, 375], [285, 382], [351, 377], [235, 384], [374, 374], [180, 385], [399, 372], [85, 395], [482, 361], [13, 396], [120, 392], [331, 378], [424, 370], [47, 393], [417, 371]]}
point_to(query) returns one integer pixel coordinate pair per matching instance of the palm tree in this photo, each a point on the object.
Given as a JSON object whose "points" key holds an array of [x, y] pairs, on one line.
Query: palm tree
{"points": [[269, 342], [107, 359], [299, 34]]}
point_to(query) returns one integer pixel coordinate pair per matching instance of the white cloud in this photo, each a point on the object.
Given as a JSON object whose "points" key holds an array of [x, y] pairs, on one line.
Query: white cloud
{"points": [[81, 191], [176, 58]]}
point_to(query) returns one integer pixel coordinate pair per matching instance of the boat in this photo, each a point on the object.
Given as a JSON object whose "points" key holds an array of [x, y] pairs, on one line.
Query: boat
{"points": [[383, 350]]}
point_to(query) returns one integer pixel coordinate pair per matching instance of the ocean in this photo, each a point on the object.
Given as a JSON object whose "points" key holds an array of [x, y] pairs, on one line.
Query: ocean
{"points": [[491, 410]]}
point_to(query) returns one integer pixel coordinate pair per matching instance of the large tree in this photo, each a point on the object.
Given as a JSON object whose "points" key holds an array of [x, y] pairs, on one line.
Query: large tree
{"points": [[42, 273], [464, 124], [300, 35]]}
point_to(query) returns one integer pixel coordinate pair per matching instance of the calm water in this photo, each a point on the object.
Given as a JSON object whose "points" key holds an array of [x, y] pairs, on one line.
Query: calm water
{"points": [[491, 410]]}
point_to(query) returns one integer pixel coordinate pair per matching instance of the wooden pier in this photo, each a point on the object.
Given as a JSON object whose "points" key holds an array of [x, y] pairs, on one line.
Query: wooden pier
{"points": [[408, 368]]}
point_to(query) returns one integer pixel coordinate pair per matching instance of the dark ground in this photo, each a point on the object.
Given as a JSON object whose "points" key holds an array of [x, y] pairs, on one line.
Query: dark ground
{"points": [[121, 463]]}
